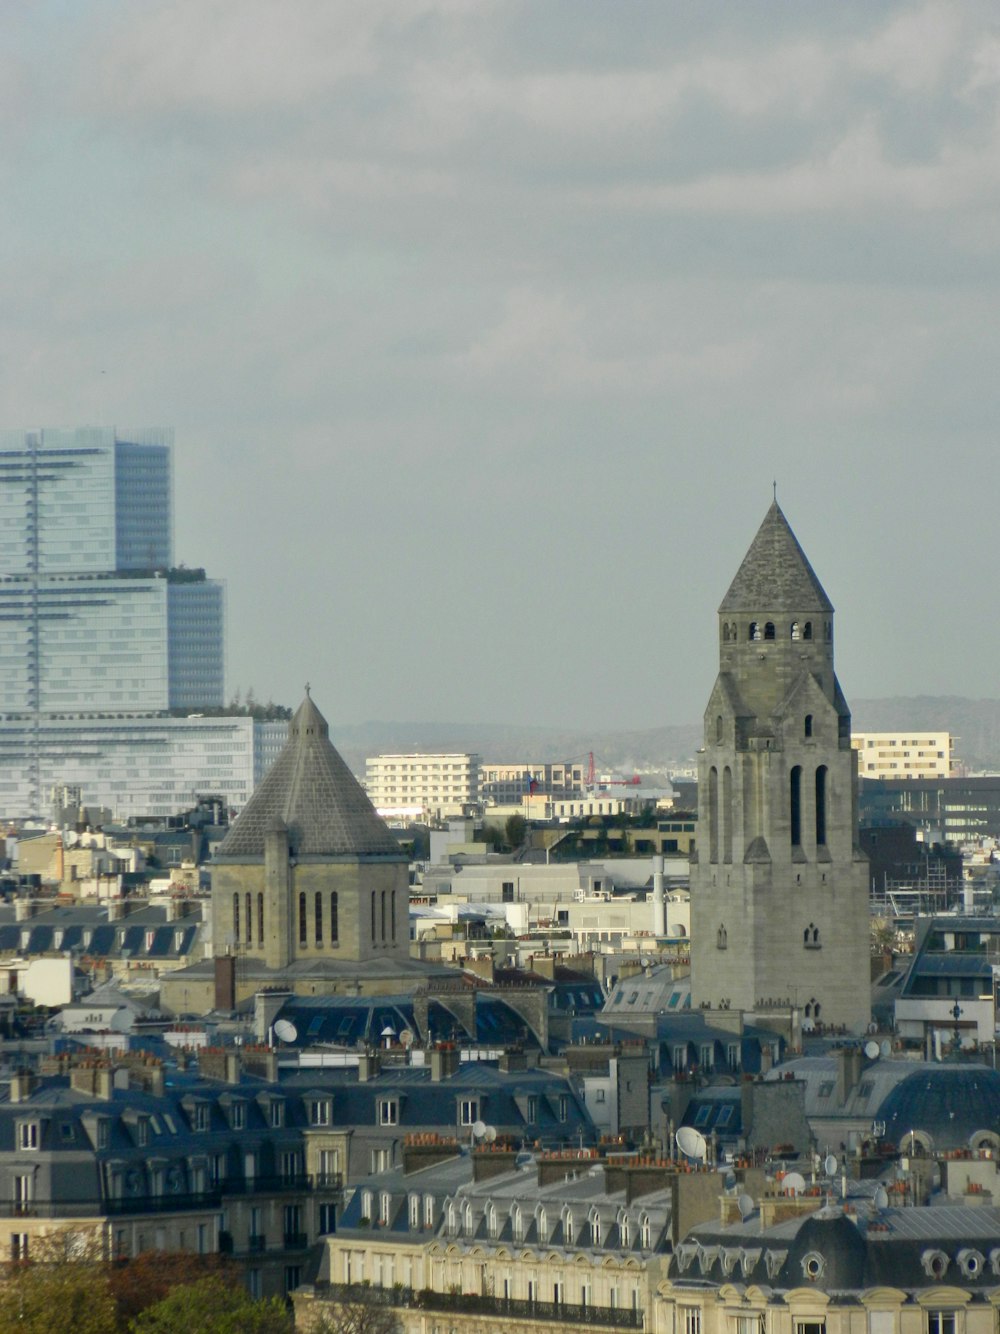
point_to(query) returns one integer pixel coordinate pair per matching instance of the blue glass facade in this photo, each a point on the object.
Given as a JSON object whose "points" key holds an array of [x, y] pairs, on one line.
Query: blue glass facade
{"points": [[94, 622]]}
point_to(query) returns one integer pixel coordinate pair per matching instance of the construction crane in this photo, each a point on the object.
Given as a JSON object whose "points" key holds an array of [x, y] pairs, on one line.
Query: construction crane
{"points": [[634, 781]]}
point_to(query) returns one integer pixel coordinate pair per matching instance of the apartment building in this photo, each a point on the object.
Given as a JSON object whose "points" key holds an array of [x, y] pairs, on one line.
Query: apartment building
{"points": [[429, 787], [903, 754]]}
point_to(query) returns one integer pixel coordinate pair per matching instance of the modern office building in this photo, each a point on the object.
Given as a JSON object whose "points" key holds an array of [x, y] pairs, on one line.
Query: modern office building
{"points": [[903, 754], [101, 633]]}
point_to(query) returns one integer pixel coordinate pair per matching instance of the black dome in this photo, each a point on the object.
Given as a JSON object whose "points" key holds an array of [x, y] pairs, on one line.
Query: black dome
{"points": [[947, 1102]]}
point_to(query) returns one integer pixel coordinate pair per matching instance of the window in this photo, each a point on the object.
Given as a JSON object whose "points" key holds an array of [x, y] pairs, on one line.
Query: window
{"points": [[532, 1112], [18, 1246], [27, 1135], [689, 1319], [941, 1322], [810, 1327], [384, 1205], [795, 804], [468, 1111], [334, 919], [236, 918], [807, 729], [821, 805], [507, 891], [302, 919], [201, 1117], [414, 1205], [645, 1233], [388, 1112], [319, 919], [277, 1114], [238, 1116], [319, 1112], [428, 1211], [260, 919], [249, 920]]}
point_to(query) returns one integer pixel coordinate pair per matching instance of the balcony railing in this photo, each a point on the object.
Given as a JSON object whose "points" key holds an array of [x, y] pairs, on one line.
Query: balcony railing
{"points": [[296, 1241], [616, 1317], [256, 1242], [210, 1198]]}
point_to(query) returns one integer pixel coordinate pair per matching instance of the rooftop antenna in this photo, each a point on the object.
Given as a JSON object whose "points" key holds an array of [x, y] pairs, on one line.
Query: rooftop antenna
{"points": [[774, 489]]}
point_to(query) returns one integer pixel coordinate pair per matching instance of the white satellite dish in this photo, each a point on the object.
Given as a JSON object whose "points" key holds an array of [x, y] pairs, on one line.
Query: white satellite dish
{"points": [[872, 1050], [830, 1164], [881, 1198], [745, 1205], [406, 1038], [285, 1030], [490, 1134], [691, 1143], [479, 1129], [794, 1182], [885, 1047]]}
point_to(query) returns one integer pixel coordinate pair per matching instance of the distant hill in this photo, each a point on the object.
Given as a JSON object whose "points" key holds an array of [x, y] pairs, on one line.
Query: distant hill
{"points": [[975, 722]]}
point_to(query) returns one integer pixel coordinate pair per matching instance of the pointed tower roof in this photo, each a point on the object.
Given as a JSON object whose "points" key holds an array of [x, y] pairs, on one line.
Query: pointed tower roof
{"points": [[310, 791], [775, 574]]}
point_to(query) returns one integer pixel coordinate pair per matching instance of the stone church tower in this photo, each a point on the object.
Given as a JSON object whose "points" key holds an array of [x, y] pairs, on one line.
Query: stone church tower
{"points": [[309, 874], [779, 886]]}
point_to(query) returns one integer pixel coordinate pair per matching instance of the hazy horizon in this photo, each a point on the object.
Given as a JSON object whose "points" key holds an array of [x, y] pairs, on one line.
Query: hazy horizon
{"points": [[485, 328]]}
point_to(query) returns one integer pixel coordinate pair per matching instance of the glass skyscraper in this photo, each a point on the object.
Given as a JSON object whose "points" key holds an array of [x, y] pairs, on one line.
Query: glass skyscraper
{"points": [[98, 625]]}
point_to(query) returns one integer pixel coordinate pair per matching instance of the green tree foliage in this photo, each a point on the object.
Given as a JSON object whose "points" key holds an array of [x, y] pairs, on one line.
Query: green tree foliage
{"points": [[516, 828], [58, 1297], [492, 835], [353, 1311], [213, 1306]]}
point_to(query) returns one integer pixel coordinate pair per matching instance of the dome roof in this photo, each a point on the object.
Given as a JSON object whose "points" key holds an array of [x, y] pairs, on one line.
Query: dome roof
{"points": [[310, 791], [947, 1102]]}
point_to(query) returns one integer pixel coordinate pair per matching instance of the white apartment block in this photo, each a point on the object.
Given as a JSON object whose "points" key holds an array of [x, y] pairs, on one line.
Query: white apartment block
{"points": [[903, 754], [432, 787]]}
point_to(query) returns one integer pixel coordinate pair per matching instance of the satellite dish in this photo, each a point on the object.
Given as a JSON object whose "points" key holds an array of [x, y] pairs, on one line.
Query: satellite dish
{"points": [[479, 1129], [830, 1164], [285, 1030], [490, 1134], [885, 1048], [691, 1143], [872, 1050], [881, 1198], [746, 1206], [406, 1038], [794, 1182]]}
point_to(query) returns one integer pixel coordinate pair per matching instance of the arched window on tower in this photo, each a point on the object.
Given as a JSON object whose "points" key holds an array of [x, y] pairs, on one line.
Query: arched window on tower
{"points": [[319, 919], [334, 923], [718, 728], [373, 917], [828, 631], [260, 919], [769, 630], [713, 814], [236, 918], [810, 936], [807, 727], [249, 920], [821, 806], [795, 805], [725, 632], [727, 814], [303, 936], [721, 938], [807, 630], [754, 631], [796, 630]]}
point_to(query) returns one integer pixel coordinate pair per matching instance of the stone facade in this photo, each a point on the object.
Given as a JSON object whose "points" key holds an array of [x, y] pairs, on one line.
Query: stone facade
{"points": [[778, 884], [309, 872]]}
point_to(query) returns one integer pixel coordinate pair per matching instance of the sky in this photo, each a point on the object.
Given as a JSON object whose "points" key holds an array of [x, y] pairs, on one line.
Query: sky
{"points": [[485, 328]]}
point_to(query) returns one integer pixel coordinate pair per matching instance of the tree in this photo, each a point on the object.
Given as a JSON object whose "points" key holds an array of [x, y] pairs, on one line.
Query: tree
{"points": [[492, 836], [213, 1306], [140, 1282], [354, 1310], [52, 1295], [516, 828]]}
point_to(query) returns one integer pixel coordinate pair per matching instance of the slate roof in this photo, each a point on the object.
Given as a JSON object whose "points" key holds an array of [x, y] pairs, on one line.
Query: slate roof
{"points": [[310, 790], [775, 574]]}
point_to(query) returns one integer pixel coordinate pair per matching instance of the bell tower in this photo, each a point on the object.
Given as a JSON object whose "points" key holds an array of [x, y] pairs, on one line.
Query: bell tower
{"points": [[779, 886]]}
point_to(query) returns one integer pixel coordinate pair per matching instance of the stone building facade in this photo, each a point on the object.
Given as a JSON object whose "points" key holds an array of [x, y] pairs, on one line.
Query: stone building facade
{"points": [[779, 884]]}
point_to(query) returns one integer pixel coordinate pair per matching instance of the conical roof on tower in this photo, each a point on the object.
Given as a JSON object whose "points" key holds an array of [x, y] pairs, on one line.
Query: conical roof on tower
{"points": [[310, 791], [775, 574]]}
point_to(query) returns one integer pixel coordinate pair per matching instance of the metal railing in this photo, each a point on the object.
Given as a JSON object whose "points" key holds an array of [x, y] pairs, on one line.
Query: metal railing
{"points": [[615, 1317]]}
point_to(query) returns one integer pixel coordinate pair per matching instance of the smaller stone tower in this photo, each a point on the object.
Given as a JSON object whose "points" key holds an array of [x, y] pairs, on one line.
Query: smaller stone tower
{"points": [[779, 886], [309, 870]]}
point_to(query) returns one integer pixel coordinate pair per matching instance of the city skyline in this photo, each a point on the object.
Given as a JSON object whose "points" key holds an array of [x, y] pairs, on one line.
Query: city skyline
{"points": [[484, 330]]}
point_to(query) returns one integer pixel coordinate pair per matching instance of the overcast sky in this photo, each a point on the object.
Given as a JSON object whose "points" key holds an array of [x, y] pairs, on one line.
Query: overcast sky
{"points": [[485, 327]]}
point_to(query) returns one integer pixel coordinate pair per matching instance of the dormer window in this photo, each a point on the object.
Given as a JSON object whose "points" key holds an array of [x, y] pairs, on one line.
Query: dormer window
{"points": [[319, 1111], [238, 1116], [29, 1135], [468, 1111], [414, 1206], [428, 1211], [277, 1114], [388, 1112]]}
